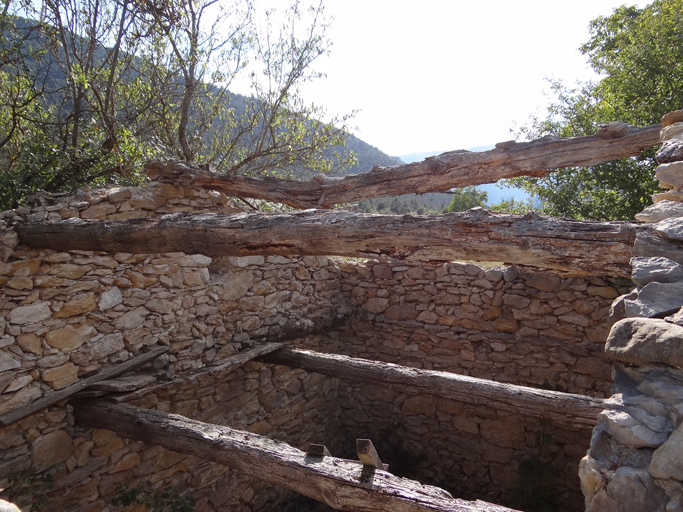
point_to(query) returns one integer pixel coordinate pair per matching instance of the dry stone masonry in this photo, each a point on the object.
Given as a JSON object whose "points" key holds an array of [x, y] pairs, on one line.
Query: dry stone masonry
{"points": [[635, 458], [67, 316]]}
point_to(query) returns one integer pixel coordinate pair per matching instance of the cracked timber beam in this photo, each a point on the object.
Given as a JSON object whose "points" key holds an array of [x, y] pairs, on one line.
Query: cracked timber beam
{"points": [[454, 169], [341, 484], [565, 246], [565, 409]]}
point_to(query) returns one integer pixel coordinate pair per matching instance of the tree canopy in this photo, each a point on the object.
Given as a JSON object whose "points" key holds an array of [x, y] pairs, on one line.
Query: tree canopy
{"points": [[466, 198], [638, 53], [90, 89]]}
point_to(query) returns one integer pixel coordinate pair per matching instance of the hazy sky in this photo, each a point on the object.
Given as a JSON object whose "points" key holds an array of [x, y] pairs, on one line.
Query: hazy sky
{"points": [[445, 75]]}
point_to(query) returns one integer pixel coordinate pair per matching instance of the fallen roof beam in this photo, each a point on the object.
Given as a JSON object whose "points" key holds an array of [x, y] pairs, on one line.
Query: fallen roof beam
{"points": [[342, 484], [566, 246], [566, 409], [454, 169], [53, 397]]}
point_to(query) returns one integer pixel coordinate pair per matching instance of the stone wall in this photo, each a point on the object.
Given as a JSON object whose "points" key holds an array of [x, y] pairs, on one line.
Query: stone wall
{"points": [[66, 315], [635, 460], [531, 329]]}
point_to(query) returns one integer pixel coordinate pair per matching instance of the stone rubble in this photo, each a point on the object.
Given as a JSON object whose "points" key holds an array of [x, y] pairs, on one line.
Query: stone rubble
{"points": [[634, 460]]}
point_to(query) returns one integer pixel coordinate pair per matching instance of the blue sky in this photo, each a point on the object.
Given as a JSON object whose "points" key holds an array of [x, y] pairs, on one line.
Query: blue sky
{"points": [[446, 75]]}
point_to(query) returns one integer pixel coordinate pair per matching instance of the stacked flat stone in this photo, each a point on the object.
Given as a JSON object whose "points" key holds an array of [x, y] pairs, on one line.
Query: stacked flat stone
{"points": [[635, 461]]}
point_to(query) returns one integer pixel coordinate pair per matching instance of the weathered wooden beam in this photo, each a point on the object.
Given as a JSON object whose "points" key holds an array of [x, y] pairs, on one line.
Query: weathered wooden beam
{"points": [[219, 370], [566, 246], [562, 408], [440, 173], [341, 484], [53, 397]]}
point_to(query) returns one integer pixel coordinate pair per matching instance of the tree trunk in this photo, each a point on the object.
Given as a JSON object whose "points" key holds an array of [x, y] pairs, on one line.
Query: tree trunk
{"points": [[565, 246], [342, 484], [454, 169], [565, 409]]}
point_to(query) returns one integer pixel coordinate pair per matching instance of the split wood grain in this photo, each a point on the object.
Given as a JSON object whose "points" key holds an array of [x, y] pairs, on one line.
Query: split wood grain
{"points": [[341, 484]]}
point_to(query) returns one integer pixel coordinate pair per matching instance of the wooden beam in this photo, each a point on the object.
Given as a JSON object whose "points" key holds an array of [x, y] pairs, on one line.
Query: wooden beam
{"points": [[566, 246], [219, 370], [53, 397], [565, 409], [454, 169], [341, 484]]}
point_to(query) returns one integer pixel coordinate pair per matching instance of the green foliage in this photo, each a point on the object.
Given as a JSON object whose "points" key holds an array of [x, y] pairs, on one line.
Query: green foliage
{"points": [[466, 198], [513, 205], [639, 55], [90, 89], [426, 204], [165, 501]]}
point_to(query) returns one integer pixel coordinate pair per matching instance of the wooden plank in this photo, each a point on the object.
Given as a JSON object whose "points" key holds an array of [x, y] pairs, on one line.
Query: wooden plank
{"points": [[53, 397], [454, 169], [220, 370], [565, 246], [565, 409], [341, 484]]}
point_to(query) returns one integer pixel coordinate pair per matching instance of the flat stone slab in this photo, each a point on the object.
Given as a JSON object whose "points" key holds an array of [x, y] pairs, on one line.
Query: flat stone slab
{"points": [[655, 300], [670, 175], [646, 341], [661, 211], [671, 229], [651, 245], [656, 269]]}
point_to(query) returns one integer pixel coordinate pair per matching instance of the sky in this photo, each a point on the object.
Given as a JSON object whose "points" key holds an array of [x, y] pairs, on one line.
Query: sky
{"points": [[449, 74]]}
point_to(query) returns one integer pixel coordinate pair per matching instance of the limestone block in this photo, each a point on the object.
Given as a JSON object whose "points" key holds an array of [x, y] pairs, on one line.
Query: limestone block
{"points": [[662, 270], [661, 210], [655, 299], [645, 341], [161, 306], [628, 431], [428, 317], [132, 319], [672, 117], [61, 376], [78, 305], [29, 342], [670, 175], [52, 360], [251, 323], [402, 312], [629, 490], [100, 349], [21, 397], [110, 298], [376, 305], [670, 195], [419, 405], [508, 432], [118, 195], [98, 211], [667, 460], [544, 282], [236, 285], [20, 283], [7, 362], [672, 131], [32, 314], [18, 383], [70, 337], [51, 449], [606, 292], [245, 261]]}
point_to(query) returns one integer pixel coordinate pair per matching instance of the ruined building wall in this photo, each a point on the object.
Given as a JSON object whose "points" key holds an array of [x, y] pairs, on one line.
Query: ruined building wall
{"points": [[66, 315], [532, 329]]}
